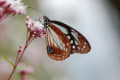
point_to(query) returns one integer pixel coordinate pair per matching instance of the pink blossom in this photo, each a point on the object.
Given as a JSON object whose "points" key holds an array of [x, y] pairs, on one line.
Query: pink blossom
{"points": [[35, 28], [20, 49], [8, 7], [25, 70]]}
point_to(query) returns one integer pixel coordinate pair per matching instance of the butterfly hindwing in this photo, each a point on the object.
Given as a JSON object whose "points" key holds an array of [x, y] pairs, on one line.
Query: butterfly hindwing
{"points": [[58, 46]]}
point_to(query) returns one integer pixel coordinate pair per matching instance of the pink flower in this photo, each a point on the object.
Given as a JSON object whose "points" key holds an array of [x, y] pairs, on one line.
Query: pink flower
{"points": [[35, 28], [20, 49], [8, 7], [24, 69]]}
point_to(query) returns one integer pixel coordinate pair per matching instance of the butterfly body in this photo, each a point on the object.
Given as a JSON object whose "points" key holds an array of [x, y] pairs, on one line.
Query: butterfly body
{"points": [[63, 40]]}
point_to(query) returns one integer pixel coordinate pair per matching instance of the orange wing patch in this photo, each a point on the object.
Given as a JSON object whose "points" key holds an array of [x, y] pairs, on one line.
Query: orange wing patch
{"points": [[58, 45]]}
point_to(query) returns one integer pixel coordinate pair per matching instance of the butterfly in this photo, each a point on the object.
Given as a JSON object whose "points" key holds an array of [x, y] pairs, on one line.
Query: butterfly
{"points": [[63, 40]]}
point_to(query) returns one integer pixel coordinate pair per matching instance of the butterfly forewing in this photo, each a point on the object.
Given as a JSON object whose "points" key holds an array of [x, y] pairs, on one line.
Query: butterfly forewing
{"points": [[58, 46], [78, 42]]}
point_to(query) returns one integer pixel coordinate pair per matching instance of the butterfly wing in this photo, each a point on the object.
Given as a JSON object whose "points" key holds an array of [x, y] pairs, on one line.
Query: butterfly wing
{"points": [[78, 42], [58, 46]]}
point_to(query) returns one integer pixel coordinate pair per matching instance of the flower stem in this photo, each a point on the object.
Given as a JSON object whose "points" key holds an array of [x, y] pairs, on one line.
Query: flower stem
{"points": [[19, 59], [22, 76]]}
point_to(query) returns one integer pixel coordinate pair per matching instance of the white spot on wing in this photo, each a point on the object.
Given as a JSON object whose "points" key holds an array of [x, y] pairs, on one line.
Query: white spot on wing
{"points": [[68, 37], [71, 42], [73, 46], [84, 46]]}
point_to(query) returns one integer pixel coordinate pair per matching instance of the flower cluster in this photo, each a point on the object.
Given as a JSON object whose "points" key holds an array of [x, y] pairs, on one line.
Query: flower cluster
{"points": [[8, 7], [35, 28]]}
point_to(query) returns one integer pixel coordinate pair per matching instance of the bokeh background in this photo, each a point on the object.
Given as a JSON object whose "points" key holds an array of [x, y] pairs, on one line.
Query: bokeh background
{"points": [[97, 20]]}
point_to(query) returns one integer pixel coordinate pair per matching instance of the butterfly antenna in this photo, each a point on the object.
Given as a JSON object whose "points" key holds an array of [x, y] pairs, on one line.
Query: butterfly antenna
{"points": [[29, 7], [34, 9]]}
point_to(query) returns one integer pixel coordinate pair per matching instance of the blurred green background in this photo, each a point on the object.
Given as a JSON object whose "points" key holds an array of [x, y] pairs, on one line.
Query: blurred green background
{"points": [[98, 20]]}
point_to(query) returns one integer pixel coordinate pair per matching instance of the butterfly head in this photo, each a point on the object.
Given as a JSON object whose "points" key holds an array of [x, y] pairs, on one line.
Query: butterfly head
{"points": [[46, 21]]}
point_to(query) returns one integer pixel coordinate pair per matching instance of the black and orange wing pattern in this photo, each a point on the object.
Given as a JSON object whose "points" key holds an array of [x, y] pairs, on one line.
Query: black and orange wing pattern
{"points": [[63, 40], [58, 46], [79, 44]]}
